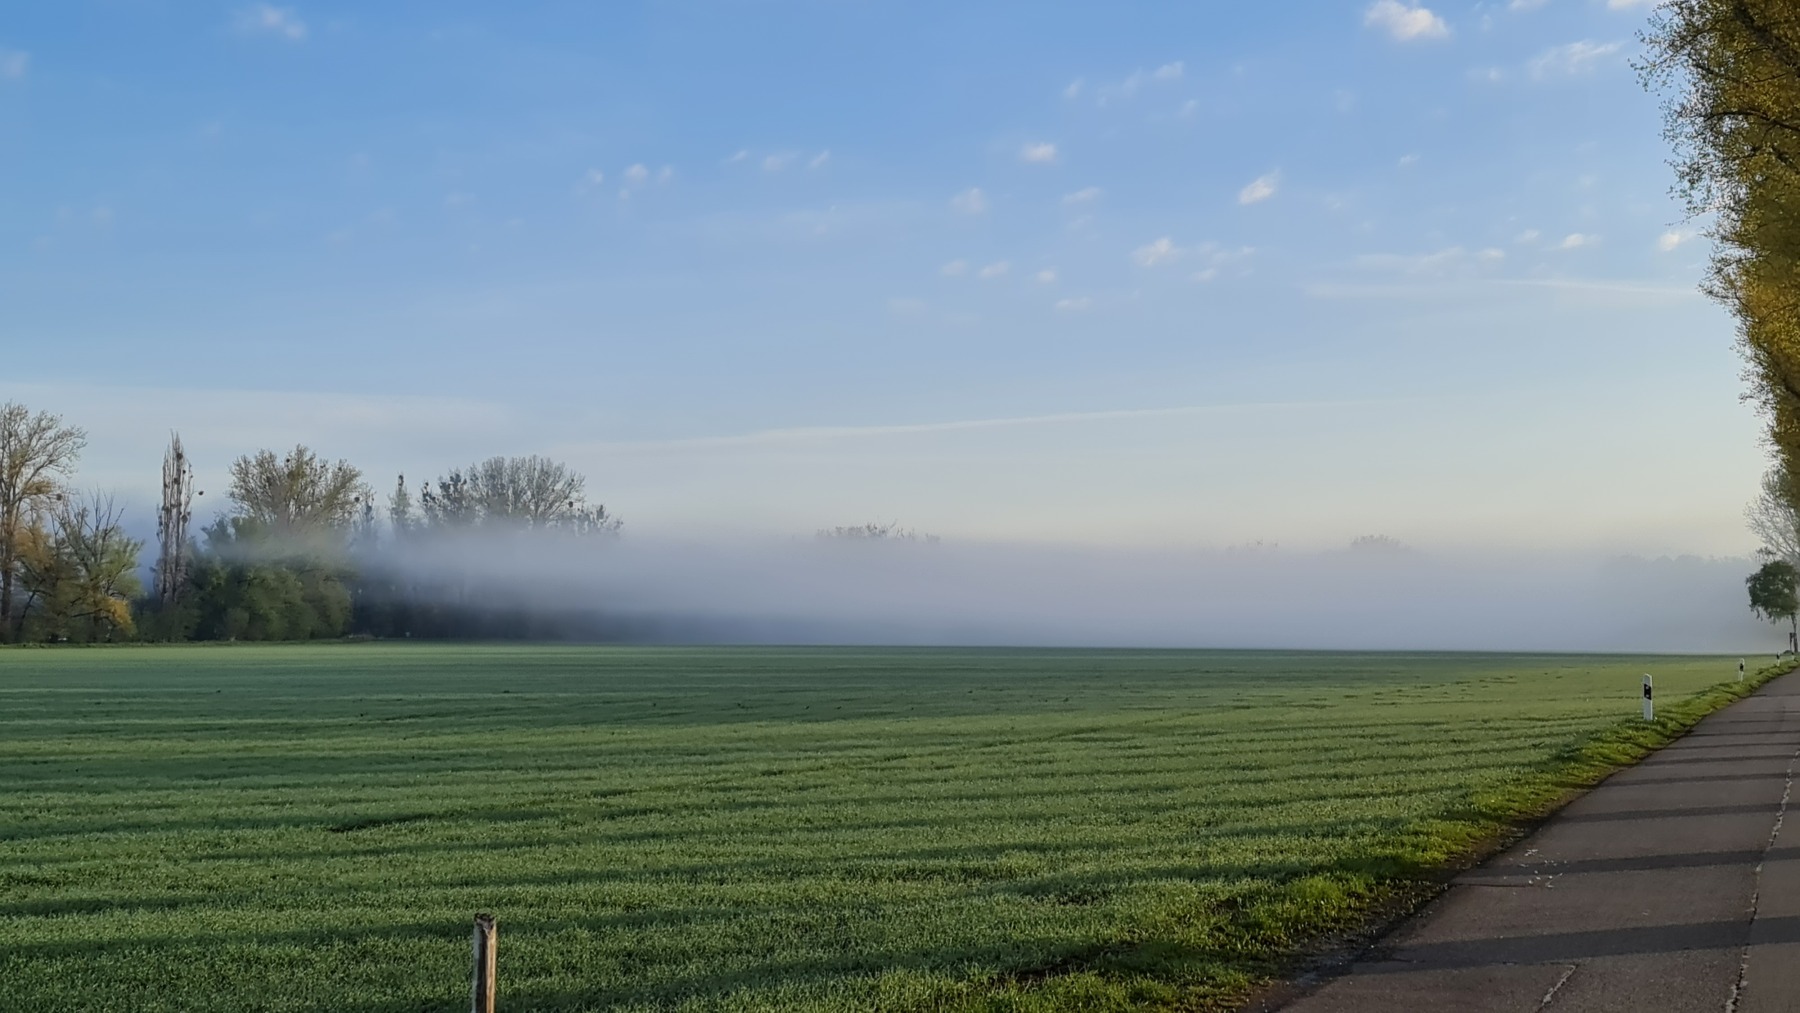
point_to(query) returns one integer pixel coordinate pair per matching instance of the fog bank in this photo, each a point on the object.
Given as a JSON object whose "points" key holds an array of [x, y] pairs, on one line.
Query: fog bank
{"points": [[828, 591]]}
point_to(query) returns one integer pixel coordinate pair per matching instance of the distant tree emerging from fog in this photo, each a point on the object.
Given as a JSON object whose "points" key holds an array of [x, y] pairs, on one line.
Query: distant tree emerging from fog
{"points": [[298, 494], [523, 492], [1773, 593], [1380, 544], [889, 532]]}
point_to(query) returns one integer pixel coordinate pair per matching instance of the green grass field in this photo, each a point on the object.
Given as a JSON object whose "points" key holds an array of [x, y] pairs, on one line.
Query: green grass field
{"points": [[312, 828]]}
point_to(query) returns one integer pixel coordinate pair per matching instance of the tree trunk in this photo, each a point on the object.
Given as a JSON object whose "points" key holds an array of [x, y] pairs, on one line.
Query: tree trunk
{"points": [[6, 588]]}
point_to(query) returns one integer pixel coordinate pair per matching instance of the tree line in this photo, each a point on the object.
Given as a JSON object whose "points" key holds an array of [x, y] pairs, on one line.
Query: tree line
{"points": [[302, 549], [1730, 72]]}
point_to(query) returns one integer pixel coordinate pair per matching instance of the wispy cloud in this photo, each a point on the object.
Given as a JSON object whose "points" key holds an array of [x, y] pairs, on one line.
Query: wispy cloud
{"points": [[778, 161], [637, 174], [1571, 59], [1128, 87], [1449, 260], [266, 19], [970, 202], [1216, 259], [1405, 22], [1085, 195], [1260, 189], [1040, 153], [998, 269], [954, 269], [1578, 240], [818, 161], [1075, 305], [1673, 240], [14, 64], [1047, 276], [1156, 252]]}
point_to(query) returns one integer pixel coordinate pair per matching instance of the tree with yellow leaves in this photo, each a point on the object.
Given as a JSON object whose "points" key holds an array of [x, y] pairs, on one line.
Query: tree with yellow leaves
{"points": [[1731, 69], [79, 571]]}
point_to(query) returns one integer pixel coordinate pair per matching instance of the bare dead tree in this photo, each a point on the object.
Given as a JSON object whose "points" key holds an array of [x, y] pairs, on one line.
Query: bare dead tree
{"points": [[1772, 517], [172, 521]]}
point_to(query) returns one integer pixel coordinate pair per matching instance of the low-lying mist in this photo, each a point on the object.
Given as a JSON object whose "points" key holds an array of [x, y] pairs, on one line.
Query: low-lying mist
{"points": [[832, 591]]}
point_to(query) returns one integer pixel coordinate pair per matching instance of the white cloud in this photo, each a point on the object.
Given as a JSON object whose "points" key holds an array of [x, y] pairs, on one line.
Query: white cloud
{"points": [[1260, 189], [819, 160], [1409, 160], [264, 19], [998, 269], [738, 156], [1528, 236], [1042, 153], [1452, 259], [14, 64], [1132, 84], [1528, 5], [1625, 5], [1578, 240], [594, 177], [1570, 60], [1217, 259], [905, 306], [1154, 253], [1672, 240], [1405, 22], [970, 202], [777, 162], [1487, 75], [1047, 276], [637, 174], [664, 174], [1085, 195], [954, 269], [1073, 305], [1073, 91]]}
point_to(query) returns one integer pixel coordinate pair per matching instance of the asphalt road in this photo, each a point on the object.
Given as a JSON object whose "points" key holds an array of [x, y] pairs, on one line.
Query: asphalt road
{"points": [[1675, 885]]}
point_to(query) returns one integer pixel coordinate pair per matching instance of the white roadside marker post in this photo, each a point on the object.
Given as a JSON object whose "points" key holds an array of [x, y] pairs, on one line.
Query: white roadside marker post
{"points": [[1649, 699]]}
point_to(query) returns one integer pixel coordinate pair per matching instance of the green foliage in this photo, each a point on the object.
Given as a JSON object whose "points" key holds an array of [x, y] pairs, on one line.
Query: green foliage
{"points": [[1773, 593], [248, 585], [311, 828], [1732, 70], [79, 573]]}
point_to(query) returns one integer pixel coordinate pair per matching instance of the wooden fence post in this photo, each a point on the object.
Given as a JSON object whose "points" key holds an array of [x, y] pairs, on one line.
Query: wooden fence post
{"points": [[481, 991]]}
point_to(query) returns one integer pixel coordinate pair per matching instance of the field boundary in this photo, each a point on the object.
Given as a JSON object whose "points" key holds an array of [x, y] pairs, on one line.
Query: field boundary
{"points": [[1495, 821]]}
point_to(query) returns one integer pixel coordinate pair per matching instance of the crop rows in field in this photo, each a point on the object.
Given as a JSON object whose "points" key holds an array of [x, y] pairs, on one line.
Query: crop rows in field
{"points": [[311, 828]]}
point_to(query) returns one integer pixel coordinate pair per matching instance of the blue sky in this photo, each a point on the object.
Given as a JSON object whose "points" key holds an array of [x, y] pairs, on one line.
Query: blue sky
{"points": [[1201, 273]]}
